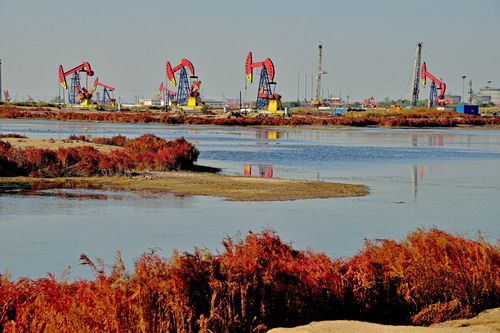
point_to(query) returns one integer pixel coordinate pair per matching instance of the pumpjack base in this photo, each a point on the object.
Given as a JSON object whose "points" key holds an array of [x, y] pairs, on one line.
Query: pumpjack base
{"points": [[191, 108], [272, 111], [273, 106]]}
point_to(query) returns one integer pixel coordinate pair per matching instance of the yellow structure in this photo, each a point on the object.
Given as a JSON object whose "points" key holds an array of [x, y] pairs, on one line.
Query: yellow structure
{"points": [[274, 106]]}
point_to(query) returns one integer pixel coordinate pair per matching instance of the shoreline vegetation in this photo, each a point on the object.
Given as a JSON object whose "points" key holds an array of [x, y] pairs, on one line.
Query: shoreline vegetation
{"points": [[412, 118], [145, 163], [258, 282]]}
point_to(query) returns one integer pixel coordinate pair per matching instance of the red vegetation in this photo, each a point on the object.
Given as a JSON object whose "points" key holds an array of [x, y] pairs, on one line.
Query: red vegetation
{"points": [[258, 283], [403, 118], [146, 152], [12, 135]]}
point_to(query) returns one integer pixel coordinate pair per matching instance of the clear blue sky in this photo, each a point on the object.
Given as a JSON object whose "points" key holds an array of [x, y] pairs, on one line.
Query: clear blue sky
{"points": [[368, 46]]}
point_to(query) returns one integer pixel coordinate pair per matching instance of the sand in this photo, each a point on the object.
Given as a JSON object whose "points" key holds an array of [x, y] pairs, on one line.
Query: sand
{"points": [[54, 144], [486, 322]]}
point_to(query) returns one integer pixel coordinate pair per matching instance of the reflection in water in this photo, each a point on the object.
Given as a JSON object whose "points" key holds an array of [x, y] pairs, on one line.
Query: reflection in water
{"points": [[263, 170], [269, 134], [70, 190], [419, 172], [430, 140]]}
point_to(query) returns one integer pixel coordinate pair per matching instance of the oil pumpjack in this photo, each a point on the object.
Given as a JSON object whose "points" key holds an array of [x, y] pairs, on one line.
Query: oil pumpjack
{"points": [[77, 94], [188, 93], [434, 98], [267, 99], [107, 99]]}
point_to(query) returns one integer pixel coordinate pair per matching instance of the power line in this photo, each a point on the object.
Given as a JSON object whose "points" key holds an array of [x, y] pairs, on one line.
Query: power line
{"points": [[396, 73], [442, 68]]}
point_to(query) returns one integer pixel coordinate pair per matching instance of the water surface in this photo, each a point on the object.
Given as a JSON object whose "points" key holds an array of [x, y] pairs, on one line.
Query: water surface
{"points": [[447, 178]]}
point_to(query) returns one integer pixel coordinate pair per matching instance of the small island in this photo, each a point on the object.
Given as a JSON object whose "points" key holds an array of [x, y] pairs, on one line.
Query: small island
{"points": [[146, 163]]}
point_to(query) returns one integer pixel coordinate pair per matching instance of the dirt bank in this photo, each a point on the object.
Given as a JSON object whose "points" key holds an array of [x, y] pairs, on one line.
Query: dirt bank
{"points": [[236, 188], [486, 322], [54, 144]]}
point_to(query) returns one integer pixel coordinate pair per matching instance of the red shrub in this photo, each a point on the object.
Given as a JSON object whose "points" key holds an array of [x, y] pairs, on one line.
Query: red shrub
{"points": [[147, 152], [259, 282], [88, 165], [117, 140], [428, 269], [146, 142], [12, 135], [79, 138]]}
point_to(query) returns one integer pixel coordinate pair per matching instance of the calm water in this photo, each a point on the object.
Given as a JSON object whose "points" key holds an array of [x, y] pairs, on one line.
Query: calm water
{"points": [[446, 178]]}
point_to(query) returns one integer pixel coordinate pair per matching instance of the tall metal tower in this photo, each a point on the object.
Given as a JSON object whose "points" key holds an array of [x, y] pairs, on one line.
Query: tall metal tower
{"points": [[74, 88], [183, 91], [319, 73], [416, 75], [471, 92], [264, 89]]}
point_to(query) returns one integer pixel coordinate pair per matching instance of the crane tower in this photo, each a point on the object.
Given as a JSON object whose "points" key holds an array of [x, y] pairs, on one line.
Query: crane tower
{"points": [[317, 101]]}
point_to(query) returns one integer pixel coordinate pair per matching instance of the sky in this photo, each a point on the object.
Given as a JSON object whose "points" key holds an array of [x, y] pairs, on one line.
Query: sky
{"points": [[368, 46]]}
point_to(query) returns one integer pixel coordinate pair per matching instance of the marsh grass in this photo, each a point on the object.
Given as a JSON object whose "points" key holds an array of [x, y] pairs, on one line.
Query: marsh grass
{"points": [[258, 282]]}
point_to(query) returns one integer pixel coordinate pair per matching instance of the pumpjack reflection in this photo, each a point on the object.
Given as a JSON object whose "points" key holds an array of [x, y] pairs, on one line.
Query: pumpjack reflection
{"points": [[261, 170]]}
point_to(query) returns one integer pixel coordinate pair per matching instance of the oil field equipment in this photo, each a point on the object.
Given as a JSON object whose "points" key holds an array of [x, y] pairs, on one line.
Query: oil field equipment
{"points": [[416, 75], [76, 93], [317, 102], [106, 99], [267, 99], [6, 95], [188, 92], [170, 95], [434, 98], [369, 103]]}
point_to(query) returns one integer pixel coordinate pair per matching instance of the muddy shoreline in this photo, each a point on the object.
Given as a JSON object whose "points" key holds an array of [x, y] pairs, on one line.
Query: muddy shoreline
{"points": [[233, 188]]}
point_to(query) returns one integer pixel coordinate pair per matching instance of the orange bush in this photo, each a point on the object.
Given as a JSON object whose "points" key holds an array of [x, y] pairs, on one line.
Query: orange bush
{"points": [[427, 271], [146, 152], [259, 282]]}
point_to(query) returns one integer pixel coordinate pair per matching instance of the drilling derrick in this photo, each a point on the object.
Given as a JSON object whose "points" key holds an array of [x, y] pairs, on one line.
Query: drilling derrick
{"points": [[416, 75], [317, 102], [267, 99]]}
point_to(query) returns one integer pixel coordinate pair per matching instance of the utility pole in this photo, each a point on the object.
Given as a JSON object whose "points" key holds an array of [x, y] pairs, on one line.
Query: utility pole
{"points": [[305, 88], [312, 87], [298, 87], [1, 91], [416, 75], [463, 88], [319, 73]]}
